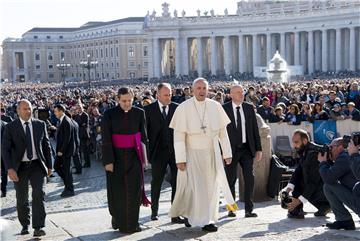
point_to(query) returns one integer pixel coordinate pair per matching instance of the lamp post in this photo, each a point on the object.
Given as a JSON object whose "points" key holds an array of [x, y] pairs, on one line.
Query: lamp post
{"points": [[88, 64], [63, 67]]}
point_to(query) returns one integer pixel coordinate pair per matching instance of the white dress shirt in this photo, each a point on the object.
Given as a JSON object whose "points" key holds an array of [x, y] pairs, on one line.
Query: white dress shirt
{"points": [[25, 158], [161, 108], [243, 128]]}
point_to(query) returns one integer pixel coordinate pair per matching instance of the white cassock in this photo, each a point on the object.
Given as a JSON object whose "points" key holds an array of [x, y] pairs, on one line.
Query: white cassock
{"points": [[198, 187]]}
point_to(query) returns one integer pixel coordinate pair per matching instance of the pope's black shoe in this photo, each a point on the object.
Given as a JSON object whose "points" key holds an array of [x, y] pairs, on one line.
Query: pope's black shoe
{"points": [[177, 220], [186, 222], [231, 214], [210, 228]]}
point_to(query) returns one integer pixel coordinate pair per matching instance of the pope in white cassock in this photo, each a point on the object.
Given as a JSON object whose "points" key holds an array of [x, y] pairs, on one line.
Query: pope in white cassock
{"points": [[199, 126]]}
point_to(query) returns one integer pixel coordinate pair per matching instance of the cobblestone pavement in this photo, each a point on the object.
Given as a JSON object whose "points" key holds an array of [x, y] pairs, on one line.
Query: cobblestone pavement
{"points": [[85, 217]]}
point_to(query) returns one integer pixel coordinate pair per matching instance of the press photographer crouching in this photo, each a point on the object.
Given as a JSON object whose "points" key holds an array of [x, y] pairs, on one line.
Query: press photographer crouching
{"points": [[339, 181], [353, 150], [305, 183]]}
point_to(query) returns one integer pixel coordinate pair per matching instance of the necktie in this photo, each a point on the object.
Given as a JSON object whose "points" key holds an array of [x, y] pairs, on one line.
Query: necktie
{"points": [[29, 150], [238, 123], [164, 111]]}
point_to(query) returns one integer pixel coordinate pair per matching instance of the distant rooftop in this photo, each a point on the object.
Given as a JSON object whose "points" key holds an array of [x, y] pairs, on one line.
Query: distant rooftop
{"points": [[87, 25]]}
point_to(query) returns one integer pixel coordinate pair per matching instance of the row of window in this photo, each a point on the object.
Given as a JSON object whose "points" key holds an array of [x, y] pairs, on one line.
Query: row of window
{"points": [[131, 53], [48, 37], [103, 75], [130, 64], [82, 35], [129, 41], [49, 56]]}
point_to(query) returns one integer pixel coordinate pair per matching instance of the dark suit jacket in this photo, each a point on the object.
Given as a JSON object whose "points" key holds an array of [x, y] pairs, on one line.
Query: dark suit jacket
{"points": [[14, 144], [340, 171], [76, 133], [3, 123], [6, 118], [65, 142], [252, 130], [155, 127], [83, 122]]}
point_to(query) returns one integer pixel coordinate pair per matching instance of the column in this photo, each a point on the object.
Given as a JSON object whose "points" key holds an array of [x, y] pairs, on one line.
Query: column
{"points": [[317, 50], [268, 47], [150, 58], [157, 58], [352, 49], [213, 55], [324, 50], [227, 56], [287, 56], [282, 44], [199, 56], [338, 50], [310, 52], [241, 53], [177, 57], [296, 48], [185, 56], [255, 51]]}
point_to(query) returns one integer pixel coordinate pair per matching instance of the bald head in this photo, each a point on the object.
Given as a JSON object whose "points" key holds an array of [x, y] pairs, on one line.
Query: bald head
{"points": [[237, 94], [336, 147], [337, 141]]}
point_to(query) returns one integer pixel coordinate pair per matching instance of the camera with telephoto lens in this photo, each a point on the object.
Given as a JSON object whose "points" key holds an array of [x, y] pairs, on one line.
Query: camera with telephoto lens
{"points": [[355, 136], [319, 148], [285, 199]]}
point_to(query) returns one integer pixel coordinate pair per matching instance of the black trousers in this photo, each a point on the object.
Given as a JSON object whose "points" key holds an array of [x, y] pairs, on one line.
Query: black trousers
{"points": [[85, 150], [4, 178], [158, 171], [77, 160], [317, 199], [243, 157], [62, 167], [30, 172]]}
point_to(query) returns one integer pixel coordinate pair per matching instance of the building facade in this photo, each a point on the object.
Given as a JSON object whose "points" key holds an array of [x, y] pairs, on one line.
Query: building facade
{"points": [[315, 35]]}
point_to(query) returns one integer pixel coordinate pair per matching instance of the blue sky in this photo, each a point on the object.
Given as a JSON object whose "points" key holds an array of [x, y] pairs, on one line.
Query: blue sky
{"points": [[18, 16]]}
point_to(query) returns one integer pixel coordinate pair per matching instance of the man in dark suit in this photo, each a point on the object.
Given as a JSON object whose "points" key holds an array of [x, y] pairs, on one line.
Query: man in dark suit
{"points": [[4, 177], [27, 156], [162, 155], [306, 184], [245, 144], [76, 157], [65, 149], [82, 118]]}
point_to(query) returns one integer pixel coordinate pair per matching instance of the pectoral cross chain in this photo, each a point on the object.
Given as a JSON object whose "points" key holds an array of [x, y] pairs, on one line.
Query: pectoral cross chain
{"points": [[203, 128]]}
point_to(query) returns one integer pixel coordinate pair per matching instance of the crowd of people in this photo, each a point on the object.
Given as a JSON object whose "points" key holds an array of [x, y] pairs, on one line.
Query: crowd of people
{"points": [[181, 126]]}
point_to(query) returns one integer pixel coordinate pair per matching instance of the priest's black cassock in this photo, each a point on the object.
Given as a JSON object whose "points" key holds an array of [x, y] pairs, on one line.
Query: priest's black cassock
{"points": [[121, 133]]}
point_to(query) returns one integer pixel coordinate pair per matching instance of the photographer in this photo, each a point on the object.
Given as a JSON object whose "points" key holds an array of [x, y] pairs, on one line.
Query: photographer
{"points": [[306, 184], [338, 184], [353, 150]]}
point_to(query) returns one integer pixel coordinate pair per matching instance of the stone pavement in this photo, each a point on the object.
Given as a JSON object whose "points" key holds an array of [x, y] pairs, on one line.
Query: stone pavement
{"points": [[86, 217]]}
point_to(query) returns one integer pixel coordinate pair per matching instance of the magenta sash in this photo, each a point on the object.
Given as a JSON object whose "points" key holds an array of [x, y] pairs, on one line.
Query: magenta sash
{"points": [[133, 141]]}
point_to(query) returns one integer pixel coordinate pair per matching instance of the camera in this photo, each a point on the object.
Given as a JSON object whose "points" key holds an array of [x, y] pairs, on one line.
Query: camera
{"points": [[355, 136], [43, 114], [319, 148], [285, 199]]}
